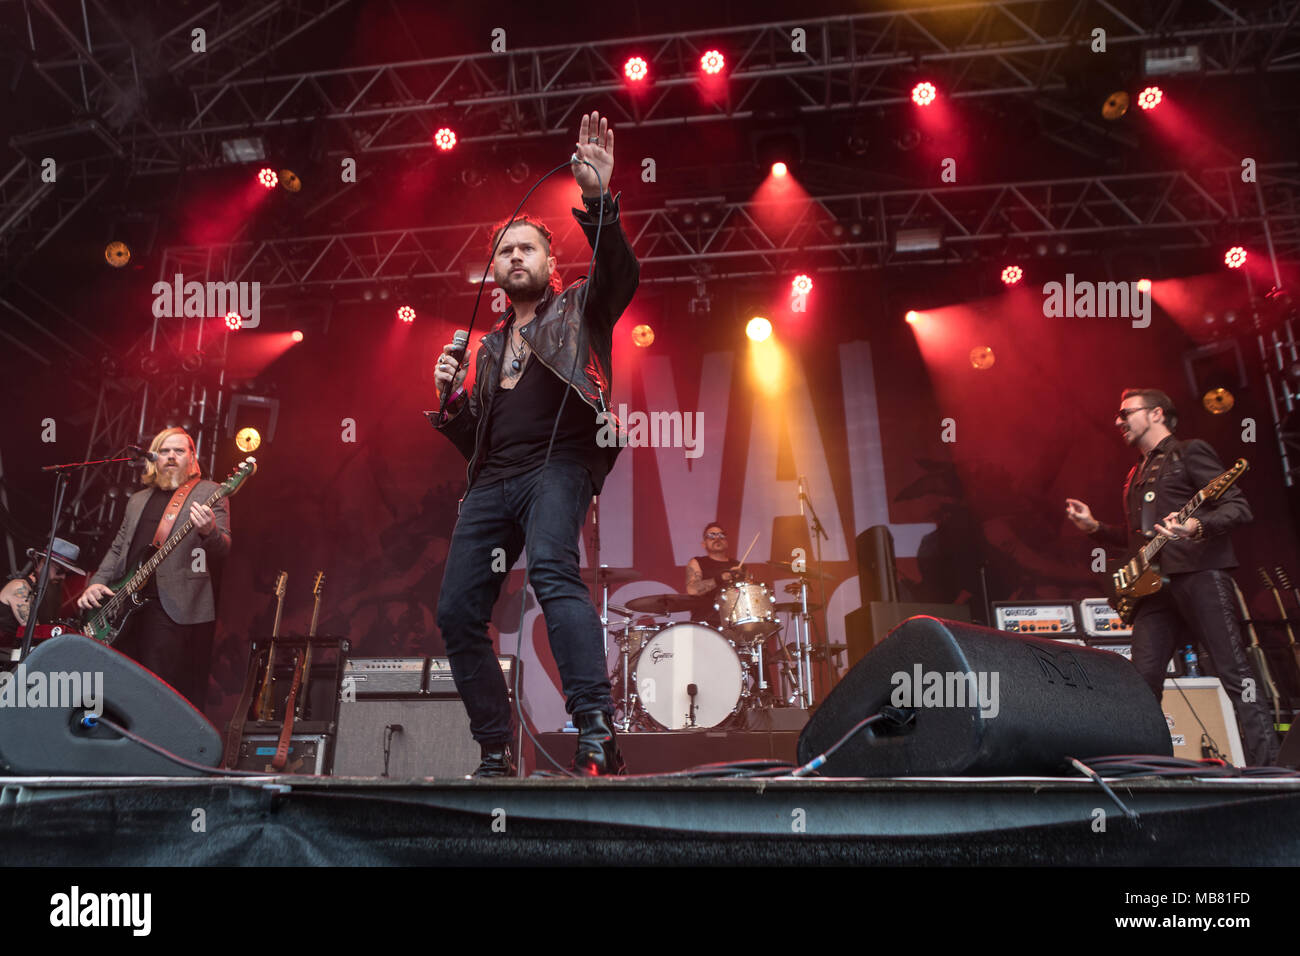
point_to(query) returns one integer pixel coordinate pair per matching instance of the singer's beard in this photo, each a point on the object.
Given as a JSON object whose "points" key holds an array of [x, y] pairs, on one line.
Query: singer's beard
{"points": [[168, 479]]}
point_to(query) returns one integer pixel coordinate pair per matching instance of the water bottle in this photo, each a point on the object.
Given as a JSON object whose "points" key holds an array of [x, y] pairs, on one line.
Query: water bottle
{"points": [[1193, 668]]}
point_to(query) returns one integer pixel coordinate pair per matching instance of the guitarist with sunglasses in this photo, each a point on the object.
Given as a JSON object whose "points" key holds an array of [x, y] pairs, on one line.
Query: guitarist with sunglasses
{"points": [[1197, 605], [171, 634]]}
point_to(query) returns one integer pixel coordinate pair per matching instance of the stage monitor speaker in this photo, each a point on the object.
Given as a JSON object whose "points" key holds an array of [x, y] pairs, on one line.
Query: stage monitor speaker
{"points": [[1034, 702], [433, 741], [870, 624], [877, 575], [44, 735]]}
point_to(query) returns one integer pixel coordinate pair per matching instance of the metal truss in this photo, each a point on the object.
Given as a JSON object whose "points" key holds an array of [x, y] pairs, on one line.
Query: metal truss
{"points": [[988, 49], [711, 238]]}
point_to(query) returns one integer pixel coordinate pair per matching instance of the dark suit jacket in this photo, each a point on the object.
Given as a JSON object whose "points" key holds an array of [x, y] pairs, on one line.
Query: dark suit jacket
{"points": [[186, 594], [1182, 469]]}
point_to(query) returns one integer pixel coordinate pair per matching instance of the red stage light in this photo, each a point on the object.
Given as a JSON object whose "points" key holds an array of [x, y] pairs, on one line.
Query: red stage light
{"points": [[923, 94], [444, 139], [268, 178], [1235, 257], [1144, 285], [712, 62], [1150, 98], [297, 336], [1012, 274], [234, 322], [780, 169], [635, 69], [802, 284], [912, 317], [406, 313]]}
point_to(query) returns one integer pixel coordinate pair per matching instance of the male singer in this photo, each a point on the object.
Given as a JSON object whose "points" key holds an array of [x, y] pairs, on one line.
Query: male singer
{"points": [[1198, 602], [553, 342]]}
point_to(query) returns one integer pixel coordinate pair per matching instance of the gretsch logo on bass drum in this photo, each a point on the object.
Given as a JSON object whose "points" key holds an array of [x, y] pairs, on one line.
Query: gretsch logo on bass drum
{"points": [[659, 654]]}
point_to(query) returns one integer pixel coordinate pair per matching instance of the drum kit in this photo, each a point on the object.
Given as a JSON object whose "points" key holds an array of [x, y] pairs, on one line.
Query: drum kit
{"points": [[701, 674]]}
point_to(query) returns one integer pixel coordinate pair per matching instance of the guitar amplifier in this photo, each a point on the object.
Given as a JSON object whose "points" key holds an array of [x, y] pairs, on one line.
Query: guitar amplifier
{"points": [[308, 753], [1051, 619], [1100, 620], [442, 685], [1192, 701], [1124, 649], [385, 677]]}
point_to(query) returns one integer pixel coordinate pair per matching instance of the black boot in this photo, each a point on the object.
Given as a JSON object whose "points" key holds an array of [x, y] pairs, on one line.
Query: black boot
{"points": [[597, 754], [497, 761]]}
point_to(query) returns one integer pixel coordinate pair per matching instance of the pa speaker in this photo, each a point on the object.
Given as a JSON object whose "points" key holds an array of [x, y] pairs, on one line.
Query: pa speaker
{"points": [[984, 703], [43, 700]]}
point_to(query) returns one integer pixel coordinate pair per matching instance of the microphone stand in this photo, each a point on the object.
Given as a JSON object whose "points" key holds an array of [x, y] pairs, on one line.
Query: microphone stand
{"points": [[42, 581], [805, 649]]}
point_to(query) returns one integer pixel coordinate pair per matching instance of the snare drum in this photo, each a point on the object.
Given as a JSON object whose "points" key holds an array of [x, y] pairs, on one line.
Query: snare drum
{"points": [[678, 658], [747, 607]]}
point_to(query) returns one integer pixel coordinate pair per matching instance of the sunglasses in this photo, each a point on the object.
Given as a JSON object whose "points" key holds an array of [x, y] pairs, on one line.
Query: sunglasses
{"points": [[1124, 413], [716, 534]]}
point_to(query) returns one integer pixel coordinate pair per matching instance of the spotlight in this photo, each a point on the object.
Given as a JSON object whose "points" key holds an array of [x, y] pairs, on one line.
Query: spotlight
{"points": [[982, 357], [518, 172], [712, 62], [117, 254], [780, 169], [234, 321], [248, 439], [1144, 285], [1218, 400], [1116, 105], [1235, 257], [912, 317], [1150, 98], [801, 284], [1012, 274], [923, 94], [635, 69], [642, 336], [758, 328], [289, 181], [406, 314], [296, 336], [444, 139], [268, 178]]}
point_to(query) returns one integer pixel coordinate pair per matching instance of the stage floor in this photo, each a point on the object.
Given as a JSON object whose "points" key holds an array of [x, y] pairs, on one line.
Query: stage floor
{"points": [[296, 820]]}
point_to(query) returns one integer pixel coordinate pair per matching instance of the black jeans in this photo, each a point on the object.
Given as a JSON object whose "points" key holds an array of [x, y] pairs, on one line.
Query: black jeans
{"points": [[545, 513], [181, 654], [1200, 607]]}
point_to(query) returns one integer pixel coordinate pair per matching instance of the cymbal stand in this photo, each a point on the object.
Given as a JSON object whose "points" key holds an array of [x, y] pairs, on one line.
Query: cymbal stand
{"points": [[803, 649]]}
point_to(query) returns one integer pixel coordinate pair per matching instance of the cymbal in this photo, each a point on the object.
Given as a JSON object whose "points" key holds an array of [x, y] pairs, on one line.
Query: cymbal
{"points": [[794, 607], [807, 572], [620, 575], [664, 603], [622, 611]]}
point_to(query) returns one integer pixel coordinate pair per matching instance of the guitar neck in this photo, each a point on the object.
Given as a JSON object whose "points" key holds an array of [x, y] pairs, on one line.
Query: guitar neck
{"points": [[1152, 547]]}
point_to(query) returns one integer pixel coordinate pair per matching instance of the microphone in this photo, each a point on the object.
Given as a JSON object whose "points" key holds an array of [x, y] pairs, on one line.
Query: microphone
{"points": [[691, 691], [459, 342], [801, 514], [139, 452]]}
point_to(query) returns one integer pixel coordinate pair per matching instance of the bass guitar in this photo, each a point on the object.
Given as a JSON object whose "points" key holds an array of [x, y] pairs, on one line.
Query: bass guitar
{"points": [[105, 624], [1139, 577]]}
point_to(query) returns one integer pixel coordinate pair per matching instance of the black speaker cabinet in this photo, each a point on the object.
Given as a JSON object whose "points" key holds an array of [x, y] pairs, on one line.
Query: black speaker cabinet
{"points": [[44, 734], [984, 703], [433, 739], [877, 574], [870, 624]]}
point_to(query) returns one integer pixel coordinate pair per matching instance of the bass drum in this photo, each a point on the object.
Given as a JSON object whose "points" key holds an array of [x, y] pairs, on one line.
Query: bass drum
{"points": [[678, 657]]}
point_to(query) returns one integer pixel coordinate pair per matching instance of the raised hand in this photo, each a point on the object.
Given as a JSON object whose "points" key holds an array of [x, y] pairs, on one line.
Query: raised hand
{"points": [[596, 146]]}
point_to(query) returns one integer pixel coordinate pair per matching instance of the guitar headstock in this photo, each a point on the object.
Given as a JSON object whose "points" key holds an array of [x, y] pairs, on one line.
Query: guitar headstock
{"points": [[281, 580], [1283, 579], [1268, 582], [245, 469], [320, 581], [1221, 484]]}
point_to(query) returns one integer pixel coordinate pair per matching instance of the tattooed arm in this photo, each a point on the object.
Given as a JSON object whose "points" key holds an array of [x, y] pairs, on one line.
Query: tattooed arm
{"points": [[18, 595]]}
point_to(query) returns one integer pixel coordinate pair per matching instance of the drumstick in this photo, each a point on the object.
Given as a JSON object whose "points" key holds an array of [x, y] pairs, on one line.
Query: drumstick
{"points": [[741, 562]]}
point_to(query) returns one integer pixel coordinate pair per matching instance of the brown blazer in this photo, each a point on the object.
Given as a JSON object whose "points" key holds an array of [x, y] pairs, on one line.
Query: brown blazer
{"points": [[186, 594]]}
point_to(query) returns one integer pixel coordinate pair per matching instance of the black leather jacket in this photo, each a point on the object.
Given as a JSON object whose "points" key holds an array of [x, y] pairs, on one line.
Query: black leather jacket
{"points": [[570, 332], [1178, 471]]}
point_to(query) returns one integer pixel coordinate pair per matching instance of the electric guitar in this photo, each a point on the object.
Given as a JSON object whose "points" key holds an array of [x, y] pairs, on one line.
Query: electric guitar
{"points": [[301, 675], [316, 590], [1255, 651], [1140, 577], [105, 624], [265, 709]]}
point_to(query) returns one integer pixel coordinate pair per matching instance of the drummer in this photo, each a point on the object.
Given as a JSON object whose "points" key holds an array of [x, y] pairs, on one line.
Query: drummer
{"points": [[710, 572], [16, 596]]}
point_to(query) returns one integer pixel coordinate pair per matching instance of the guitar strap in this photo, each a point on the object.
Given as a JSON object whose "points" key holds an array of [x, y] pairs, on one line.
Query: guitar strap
{"points": [[172, 512], [290, 705]]}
